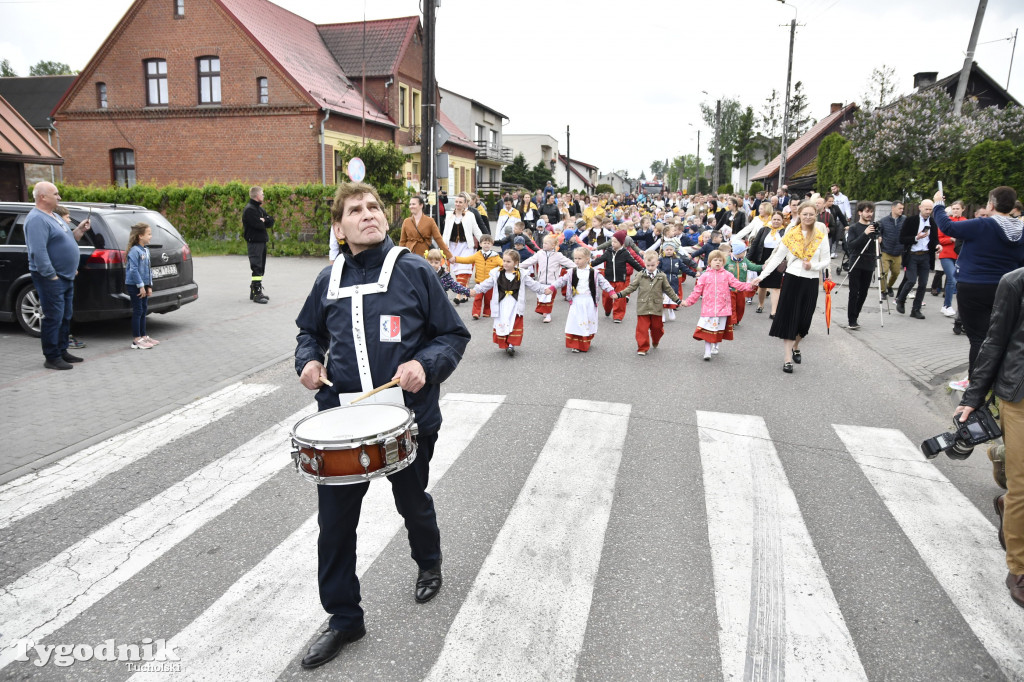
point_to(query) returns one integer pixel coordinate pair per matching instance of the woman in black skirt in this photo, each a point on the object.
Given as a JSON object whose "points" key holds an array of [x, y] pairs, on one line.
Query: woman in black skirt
{"points": [[806, 252]]}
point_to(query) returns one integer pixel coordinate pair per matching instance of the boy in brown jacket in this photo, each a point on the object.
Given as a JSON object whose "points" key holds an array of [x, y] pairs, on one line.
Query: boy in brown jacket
{"points": [[650, 284]]}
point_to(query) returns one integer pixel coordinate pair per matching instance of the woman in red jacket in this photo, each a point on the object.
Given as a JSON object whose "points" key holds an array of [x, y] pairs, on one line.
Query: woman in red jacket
{"points": [[947, 260]]}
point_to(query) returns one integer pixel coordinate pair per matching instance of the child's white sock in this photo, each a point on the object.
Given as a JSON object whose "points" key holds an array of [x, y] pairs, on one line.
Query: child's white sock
{"points": [[707, 349]]}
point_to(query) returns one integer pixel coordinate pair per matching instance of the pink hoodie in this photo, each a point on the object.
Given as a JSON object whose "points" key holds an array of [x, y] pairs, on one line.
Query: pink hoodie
{"points": [[714, 286]]}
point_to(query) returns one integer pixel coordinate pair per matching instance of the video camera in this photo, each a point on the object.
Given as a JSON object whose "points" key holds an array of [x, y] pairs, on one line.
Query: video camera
{"points": [[979, 428]]}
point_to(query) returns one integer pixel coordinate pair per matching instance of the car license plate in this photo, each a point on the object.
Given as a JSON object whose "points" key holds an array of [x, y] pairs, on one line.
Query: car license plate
{"points": [[165, 271]]}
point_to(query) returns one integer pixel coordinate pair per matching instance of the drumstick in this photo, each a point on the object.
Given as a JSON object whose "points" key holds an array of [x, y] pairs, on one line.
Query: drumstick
{"points": [[325, 380], [393, 382]]}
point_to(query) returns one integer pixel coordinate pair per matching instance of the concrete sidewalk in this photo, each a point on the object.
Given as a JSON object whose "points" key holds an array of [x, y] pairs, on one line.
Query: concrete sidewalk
{"points": [[217, 340]]}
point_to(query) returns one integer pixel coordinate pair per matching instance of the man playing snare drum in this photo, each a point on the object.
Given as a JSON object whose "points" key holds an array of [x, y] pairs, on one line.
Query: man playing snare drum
{"points": [[405, 330]]}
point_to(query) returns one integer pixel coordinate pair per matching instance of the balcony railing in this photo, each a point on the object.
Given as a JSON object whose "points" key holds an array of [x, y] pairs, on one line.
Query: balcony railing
{"points": [[493, 152]]}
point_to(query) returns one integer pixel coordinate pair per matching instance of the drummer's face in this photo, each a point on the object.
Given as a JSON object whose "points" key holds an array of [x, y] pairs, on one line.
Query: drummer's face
{"points": [[362, 223]]}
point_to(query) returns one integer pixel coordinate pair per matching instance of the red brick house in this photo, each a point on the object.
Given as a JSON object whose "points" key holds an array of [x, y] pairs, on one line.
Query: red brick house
{"points": [[192, 91], [20, 144], [802, 155]]}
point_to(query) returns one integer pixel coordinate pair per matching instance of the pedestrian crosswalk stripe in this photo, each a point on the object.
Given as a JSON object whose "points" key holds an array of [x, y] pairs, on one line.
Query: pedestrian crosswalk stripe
{"points": [[32, 492], [526, 613], [54, 593], [777, 614], [955, 540], [284, 583]]}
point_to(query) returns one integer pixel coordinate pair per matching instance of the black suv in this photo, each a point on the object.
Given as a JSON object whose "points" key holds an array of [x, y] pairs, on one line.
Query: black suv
{"points": [[99, 286]]}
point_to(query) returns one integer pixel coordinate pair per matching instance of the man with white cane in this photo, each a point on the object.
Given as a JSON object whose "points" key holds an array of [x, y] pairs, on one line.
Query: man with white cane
{"points": [[862, 236]]}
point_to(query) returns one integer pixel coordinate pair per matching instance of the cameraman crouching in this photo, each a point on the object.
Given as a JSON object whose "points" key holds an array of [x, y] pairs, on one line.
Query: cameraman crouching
{"points": [[1000, 367]]}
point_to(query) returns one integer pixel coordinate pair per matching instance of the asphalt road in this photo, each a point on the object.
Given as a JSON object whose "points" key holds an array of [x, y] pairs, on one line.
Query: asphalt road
{"points": [[604, 516]]}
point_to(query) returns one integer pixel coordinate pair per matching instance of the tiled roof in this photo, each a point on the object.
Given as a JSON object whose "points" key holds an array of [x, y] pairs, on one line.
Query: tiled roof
{"points": [[585, 165], [581, 176], [457, 136], [386, 41], [20, 142], [817, 131], [35, 97], [295, 44]]}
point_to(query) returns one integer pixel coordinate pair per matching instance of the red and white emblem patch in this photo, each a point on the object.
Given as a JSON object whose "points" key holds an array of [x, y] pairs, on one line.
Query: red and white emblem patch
{"points": [[390, 329]]}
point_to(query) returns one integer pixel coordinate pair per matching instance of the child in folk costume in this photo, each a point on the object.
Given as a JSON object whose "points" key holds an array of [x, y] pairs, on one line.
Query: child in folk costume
{"points": [[447, 282], [616, 261], [583, 282], [715, 323], [508, 300], [739, 265], [483, 261], [549, 264], [651, 284], [676, 268]]}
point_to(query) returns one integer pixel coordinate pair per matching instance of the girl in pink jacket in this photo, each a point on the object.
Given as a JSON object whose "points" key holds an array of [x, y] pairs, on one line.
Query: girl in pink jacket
{"points": [[715, 323]]}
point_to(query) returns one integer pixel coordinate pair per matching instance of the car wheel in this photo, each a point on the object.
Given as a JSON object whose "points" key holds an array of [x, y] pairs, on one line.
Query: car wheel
{"points": [[29, 310]]}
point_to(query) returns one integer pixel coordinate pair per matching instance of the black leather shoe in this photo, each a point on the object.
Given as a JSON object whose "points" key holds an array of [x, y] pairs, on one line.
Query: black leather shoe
{"points": [[68, 357], [787, 367], [900, 308], [58, 363], [328, 645], [916, 314], [798, 357], [428, 583]]}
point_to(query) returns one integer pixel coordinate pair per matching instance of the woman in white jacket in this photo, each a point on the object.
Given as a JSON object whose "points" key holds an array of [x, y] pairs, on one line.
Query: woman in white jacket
{"points": [[507, 285], [462, 233], [806, 251]]}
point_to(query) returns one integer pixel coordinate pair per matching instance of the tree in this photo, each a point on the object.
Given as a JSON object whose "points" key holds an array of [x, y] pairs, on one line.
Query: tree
{"points": [[881, 88], [799, 120], [518, 173], [45, 68], [5, 69], [727, 129], [746, 142], [383, 161], [642, 176], [540, 176], [770, 125], [657, 167], [604, 188], [756, 187]]}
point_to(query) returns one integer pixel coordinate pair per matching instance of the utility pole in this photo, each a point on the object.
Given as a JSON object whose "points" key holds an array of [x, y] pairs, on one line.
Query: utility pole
{"points": [[785, 115], [362, 92], [568, 159], [718, 149], [429, 99], [961, 86], [1013, 50], [696, 180]]}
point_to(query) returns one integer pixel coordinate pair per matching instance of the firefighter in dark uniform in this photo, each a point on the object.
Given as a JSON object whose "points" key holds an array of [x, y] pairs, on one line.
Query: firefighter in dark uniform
{"points": [[255, 223], [428, 347]]}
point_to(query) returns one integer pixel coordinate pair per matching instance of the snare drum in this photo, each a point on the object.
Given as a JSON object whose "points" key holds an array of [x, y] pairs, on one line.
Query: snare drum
{"points": [[354, 443]]}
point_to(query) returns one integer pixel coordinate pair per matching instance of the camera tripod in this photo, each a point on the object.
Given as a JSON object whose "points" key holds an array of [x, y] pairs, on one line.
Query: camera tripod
{"points": [[878, 275]]}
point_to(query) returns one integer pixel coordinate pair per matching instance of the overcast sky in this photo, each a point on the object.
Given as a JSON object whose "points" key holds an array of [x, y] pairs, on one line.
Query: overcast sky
{"points": [[626, 78]]}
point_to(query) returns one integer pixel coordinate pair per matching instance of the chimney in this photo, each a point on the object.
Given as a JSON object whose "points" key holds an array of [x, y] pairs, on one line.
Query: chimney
{"points": [[923, 79], [836, 106]]}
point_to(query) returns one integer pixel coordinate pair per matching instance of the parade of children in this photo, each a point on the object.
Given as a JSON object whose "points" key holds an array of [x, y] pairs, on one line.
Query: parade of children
{"points": [[508, 300], [607, 268]]}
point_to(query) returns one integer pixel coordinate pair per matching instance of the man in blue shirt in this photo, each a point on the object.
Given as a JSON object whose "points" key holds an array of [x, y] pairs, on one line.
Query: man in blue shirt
{"points": [[53, 264]]}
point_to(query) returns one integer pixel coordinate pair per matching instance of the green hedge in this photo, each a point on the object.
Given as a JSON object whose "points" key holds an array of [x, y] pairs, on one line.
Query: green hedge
{"points": [[210, 217], [967, 176]]}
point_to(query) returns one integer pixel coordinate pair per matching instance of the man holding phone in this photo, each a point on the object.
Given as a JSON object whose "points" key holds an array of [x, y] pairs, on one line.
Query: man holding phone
{"points": [[920, 236], [53, 263]]}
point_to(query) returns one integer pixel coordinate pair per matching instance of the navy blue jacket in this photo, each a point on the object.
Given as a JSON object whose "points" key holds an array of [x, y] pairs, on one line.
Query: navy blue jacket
{"points": [[431, 331]]}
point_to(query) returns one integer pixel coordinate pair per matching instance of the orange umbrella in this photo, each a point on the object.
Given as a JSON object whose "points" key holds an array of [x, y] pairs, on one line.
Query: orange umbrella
{"points": [[828, 285]]}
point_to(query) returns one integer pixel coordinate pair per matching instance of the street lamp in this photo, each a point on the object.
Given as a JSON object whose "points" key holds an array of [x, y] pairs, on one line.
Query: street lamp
{"points": [[696, 168], [785, 115]]}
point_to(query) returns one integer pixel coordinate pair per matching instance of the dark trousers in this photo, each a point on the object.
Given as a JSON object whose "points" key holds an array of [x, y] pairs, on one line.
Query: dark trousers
{"points": [[858, 282], [917, 274], [974, 305], [140, 308], [56, 296], [257, 259], [339, 515]]}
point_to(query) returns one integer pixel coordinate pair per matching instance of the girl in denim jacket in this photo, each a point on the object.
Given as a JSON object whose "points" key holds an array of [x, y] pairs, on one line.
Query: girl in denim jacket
{"points": [[139, 283]]}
